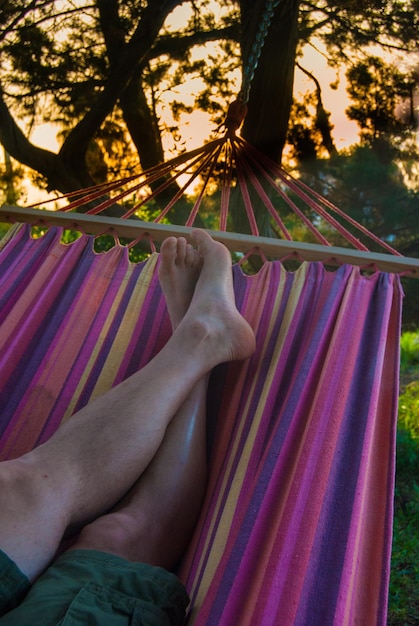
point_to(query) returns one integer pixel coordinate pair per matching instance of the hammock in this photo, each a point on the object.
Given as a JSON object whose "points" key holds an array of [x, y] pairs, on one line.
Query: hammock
{"points": [[296, 525], [297, 522]]}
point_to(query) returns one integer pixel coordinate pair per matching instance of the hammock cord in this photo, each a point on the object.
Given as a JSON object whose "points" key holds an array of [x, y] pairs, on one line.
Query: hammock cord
{"points": [[251, 64], [239, 161]]}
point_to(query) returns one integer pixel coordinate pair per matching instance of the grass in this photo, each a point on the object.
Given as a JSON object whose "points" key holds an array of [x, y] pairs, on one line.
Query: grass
{"points": [[404, 583]]}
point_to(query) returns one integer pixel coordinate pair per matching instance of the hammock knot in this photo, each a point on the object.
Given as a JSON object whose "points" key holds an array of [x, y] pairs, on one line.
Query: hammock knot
{"points": [[236, 113]]}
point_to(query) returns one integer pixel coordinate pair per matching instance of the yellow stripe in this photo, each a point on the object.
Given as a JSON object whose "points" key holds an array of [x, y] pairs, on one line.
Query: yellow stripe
{"points": [[8, 236], [226, 520], [123, 336]]}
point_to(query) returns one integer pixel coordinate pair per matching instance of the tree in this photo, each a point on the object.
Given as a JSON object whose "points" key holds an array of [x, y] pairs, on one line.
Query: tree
{"points": [[373, 181], [376, 88], [100, 71]]}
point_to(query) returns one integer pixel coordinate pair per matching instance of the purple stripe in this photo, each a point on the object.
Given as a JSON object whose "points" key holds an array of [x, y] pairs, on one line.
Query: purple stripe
{"points": [[319, 597], [92, 334], [35, 335], [19, 262]]}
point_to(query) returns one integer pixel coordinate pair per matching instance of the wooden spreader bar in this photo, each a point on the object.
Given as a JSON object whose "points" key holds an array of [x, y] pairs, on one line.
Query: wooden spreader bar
{"points": [[276, 248]]}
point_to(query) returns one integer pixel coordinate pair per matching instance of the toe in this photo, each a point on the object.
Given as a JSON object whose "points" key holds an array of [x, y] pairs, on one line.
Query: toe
{"points": [[181, 250], [168, 249], [190, 256]]}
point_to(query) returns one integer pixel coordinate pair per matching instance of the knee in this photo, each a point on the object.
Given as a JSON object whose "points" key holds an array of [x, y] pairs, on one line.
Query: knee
{"points": [[115, 533], [133, 538]]}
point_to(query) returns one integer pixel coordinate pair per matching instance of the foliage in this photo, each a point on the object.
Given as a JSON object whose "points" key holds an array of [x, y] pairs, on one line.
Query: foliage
{"points": [[376, 88], [409, 408], [368, 185], [104, 73], [4, 228], [409, 351], [404, 582], [11, 188]]}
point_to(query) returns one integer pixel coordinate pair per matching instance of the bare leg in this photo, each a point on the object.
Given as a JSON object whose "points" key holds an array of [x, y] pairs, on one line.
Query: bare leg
{"points": [[154, 521], [96, 457]]}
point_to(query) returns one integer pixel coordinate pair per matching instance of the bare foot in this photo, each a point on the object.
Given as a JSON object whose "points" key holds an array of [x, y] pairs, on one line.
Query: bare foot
{"points": [[179, 269], [213, 304]]}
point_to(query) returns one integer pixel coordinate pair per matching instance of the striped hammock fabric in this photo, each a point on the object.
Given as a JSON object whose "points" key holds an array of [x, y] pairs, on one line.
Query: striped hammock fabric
{"points": [[296, 526]]}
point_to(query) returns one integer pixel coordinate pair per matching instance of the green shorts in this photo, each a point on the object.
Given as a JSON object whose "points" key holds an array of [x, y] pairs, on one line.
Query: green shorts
{"points": [[88, 587]]}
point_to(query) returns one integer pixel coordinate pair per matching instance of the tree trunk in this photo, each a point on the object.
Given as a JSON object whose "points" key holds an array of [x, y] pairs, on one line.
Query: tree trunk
{"points": [[141, 124], [270, 100], [143, 128]]}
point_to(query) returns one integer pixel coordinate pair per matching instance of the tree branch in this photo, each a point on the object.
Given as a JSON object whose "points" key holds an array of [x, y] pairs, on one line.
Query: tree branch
{"points": [[38, 159], [112, 30], [176, 46], [17, 19], [322, 116], [74, 148]]}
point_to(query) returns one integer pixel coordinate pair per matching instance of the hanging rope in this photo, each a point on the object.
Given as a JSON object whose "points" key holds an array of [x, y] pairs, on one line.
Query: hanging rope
{"points": [[251, 64]]}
